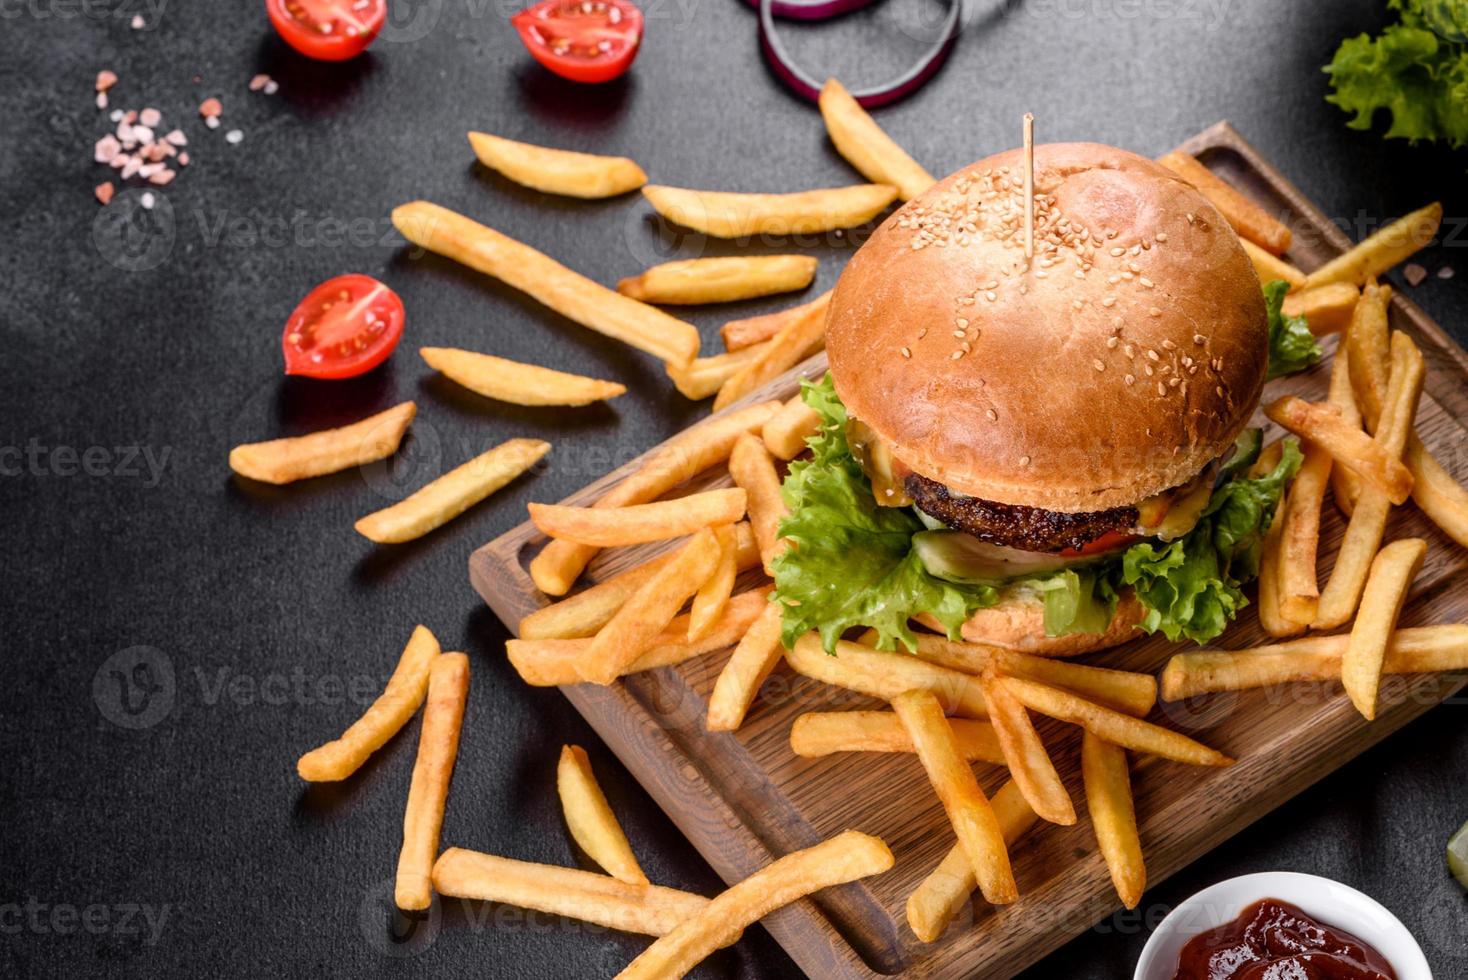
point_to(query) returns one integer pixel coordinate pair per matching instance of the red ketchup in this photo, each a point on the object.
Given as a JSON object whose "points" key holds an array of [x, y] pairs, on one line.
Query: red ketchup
{"points": [[1273, 940]]}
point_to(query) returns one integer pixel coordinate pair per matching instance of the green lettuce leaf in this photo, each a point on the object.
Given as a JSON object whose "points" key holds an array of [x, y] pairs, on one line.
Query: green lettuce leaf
{"points": [[1292, 346], [852, 563], [1416, 70], [1191, 587]]}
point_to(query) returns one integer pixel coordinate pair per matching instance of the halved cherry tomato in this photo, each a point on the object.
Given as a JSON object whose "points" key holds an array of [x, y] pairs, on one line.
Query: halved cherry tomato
{"points": [[583, 40], [1106, 542], [327, 30], [344, 327]]}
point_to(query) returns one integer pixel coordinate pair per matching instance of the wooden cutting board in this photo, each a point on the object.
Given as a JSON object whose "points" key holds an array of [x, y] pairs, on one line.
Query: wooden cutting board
{"points": [[744, 798]]}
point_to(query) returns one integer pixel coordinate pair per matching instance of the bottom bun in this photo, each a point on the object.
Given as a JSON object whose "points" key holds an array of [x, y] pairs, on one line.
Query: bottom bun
{"points": [[1018, 623]]}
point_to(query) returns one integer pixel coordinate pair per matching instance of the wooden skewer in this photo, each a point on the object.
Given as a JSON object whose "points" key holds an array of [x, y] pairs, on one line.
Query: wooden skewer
{"points": [[1029, 185]]}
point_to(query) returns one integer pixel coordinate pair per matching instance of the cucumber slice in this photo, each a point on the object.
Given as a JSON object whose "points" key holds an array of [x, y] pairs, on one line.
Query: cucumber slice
{"points": [[1458, 855]]}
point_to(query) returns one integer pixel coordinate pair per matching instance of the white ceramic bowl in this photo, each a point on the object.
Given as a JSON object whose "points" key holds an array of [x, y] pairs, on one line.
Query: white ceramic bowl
{"points": [[1328, 901]]}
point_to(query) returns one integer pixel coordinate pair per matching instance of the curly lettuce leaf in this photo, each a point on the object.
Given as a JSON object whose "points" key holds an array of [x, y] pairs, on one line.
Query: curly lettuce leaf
{"points": [[853, 563], [1416, 70], [1292, 346], [1191, 587]]}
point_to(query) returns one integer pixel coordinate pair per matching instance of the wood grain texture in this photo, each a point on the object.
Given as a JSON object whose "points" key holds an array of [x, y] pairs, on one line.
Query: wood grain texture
{"points": [[744, 798]]}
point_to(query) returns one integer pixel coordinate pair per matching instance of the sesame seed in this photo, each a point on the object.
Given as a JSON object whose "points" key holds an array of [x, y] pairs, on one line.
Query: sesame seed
{"points": [[959, 334], [1173, 382], [1118, 251], [1161, 237], [991, 296], [1078, 304], [1098, 364], [961, 322], [906, 352], [1109, 301], [1191, 219], [1113, 280], [1199, 339], [1111, 343], [1148, 368], [1130, 379], [957, 354], [1219, 391], [1129, 351], [1169, 345], [922, 333], [1161, 388], [993, 415], [1146, 283], [1152, 355], [1024, 461], [1154, 311]]}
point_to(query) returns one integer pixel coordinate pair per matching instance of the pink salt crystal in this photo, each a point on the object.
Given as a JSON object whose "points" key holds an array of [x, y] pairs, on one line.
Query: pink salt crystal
{"points": [[150, 117], [259, 82], [105, 80], [162, 177], [107, 147], [177, 138], [1414, 273], [104, 192]]}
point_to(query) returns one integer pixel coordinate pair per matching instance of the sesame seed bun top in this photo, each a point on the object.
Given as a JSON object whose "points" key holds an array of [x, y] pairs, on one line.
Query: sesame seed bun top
{"points": [[1128, 356]]}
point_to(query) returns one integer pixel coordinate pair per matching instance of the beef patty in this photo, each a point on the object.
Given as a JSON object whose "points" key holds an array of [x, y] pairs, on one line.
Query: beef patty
{"points": [[1013, 525]]}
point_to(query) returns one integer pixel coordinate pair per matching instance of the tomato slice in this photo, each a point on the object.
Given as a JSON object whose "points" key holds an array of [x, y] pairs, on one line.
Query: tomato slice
{"points": [[327, 30], [1106, 542], [583, 40], [344, 327]]}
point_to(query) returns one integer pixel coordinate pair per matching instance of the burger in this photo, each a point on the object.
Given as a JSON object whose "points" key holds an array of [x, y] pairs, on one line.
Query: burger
{"points": [[1048, 453]]}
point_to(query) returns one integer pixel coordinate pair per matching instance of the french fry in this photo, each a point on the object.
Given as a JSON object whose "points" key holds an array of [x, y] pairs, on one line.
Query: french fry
{"points": [[1323, 425], [439, 502], [1386, 589], [590, 819], [706, 375], [1298, 590], [1414, 650], [1114, 816], [1326, 309], [1269, 267], [753, 470], [724, 215], [1271, 619], [885, 675], [405, 691], [1113, 726], [438, 745], [874, 154], [1368, 343], [748, 666], [1124, 690], [797, 340], [755, 330], [722, 279], [818, 733], [786, 433], [1029, 763], [969, 811], [610, 527], [600, 899], [1368, 520], [1345, 485], [1434, 490], [845, 857], [1377, 253], [569, 293], [947, 887], [566, 172], [589, 610], [635, 627], [1248, 219], [516, 383], [328, 451], [680, 458], [553, 662], [713, 595]]}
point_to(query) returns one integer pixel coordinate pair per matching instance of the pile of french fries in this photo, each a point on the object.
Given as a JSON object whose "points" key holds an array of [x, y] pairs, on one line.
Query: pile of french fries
{"points": [[951, 703], [1360, 446]]}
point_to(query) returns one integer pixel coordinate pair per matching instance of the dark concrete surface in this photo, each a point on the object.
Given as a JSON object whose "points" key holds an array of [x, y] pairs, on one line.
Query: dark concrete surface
{"points": [[153, 823]]}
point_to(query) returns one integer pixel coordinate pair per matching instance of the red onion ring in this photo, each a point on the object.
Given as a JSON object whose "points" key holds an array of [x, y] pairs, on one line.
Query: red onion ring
{"points": [[803, 85]]}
